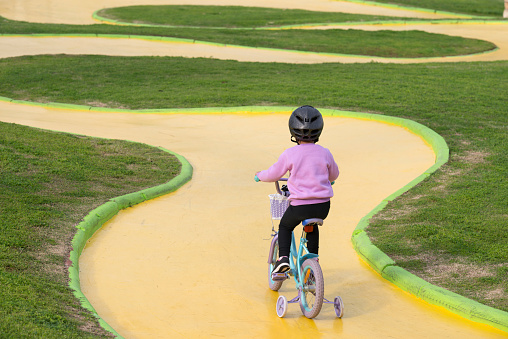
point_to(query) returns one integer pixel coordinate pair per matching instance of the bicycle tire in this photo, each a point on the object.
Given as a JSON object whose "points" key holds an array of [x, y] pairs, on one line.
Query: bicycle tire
{"points": [[338, 305], [311, 298], [282, 306], [274, 285]]}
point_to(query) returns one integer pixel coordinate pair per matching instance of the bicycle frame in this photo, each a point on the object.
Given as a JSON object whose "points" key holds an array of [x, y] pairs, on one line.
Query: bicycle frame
{"points": [[297, 258]]}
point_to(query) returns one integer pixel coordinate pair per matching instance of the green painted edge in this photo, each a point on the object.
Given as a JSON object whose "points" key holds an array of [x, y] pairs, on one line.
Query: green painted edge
{"points": [[97, 217], [400, 22], [191, 41], [416, 9], [388, 269]]}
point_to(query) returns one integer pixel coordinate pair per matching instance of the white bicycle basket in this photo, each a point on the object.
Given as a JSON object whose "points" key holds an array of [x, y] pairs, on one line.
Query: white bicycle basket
{"points": [[278, 205]]}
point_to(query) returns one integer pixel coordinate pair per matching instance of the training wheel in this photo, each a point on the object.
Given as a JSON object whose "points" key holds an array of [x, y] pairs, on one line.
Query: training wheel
{"points": [[282, 306], [338, 305]]}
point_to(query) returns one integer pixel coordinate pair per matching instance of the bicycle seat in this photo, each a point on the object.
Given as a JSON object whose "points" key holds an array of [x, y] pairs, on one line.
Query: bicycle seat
{"points": [[314, 221]]}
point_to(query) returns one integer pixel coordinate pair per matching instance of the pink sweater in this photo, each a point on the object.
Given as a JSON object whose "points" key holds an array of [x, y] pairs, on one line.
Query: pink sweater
{"points": [[311, 168]]}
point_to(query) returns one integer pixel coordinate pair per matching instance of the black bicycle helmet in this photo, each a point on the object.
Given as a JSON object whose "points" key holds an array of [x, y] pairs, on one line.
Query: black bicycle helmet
{"points": [[306, 124]]}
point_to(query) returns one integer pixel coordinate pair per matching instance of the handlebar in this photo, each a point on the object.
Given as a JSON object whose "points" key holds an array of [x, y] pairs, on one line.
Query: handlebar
{"points": [[277, 186]]}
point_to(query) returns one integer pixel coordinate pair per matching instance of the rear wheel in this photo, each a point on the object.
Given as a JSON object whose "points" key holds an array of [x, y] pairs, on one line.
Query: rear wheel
{"points": [[274, 285], [311, 299]]}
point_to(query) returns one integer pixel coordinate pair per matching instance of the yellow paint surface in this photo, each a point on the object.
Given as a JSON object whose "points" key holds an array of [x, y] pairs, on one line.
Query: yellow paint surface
{"points": [[193, 263]]}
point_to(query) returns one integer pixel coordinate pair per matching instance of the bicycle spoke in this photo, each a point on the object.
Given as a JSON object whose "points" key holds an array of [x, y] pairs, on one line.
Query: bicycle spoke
{"points": [[312, 289]]}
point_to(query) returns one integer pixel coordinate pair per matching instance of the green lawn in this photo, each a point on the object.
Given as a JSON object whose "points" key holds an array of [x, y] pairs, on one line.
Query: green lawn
{"points": [[228, 16], [455, 222], [493, 8]]}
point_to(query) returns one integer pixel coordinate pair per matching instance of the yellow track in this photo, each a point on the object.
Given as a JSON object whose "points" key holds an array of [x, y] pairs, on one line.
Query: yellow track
{"points": [[193, 263]]}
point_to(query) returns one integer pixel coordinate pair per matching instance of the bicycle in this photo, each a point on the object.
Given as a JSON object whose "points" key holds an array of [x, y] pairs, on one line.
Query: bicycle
{"points": [[304, 266]]}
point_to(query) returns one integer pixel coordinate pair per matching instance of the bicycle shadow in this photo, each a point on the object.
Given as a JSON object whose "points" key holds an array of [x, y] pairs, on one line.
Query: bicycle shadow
{"points": [[294, 319]]}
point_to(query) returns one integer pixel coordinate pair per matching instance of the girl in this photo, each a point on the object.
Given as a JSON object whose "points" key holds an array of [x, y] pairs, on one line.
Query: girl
{"points": [[311, 170]]}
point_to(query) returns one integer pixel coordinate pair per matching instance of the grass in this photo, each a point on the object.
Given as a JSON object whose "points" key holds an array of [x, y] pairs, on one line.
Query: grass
{"points": [[492, 8], [48, 182], [407, 44], [450, 230], [228, 16]]}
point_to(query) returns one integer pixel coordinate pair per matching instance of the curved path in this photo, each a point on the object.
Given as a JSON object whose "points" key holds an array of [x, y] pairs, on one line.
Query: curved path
{"points": [[192, 263], [80, 12]]}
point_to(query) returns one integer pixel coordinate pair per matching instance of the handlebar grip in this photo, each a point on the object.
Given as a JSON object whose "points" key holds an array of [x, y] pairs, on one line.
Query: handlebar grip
{"points": [[256, 178], [333, 182]]}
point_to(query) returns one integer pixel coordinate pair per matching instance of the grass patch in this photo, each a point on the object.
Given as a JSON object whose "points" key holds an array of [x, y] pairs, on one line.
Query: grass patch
{"points": [[492, 8], [228, 16], [396, 44], [48, 183], [453, 230], [449, 92], [403, 44]]}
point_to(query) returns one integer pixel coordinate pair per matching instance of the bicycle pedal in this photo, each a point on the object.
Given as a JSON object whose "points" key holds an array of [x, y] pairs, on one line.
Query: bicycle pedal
{"points": [[279, 276]]}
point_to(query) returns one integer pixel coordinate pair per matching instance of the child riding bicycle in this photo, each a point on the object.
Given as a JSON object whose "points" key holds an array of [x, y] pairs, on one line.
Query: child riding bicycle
{"points": [[311, 168]]}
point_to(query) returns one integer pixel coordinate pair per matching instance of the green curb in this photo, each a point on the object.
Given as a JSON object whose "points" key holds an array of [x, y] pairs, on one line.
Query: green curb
{"points": [[416, 9], [96, 219], [377, 259], [441, 297], [401, 22], [408, 282]]}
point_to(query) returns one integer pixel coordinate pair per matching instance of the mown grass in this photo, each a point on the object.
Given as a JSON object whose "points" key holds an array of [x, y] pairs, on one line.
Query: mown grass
{"points": [[450, 230], [48, 182], [228, 16], [492, 8], [407, 44]]}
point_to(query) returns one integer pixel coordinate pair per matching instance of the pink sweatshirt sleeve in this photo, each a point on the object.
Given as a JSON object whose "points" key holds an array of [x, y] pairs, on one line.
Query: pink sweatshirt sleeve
{"points": [[333, 169], [276, 171]]}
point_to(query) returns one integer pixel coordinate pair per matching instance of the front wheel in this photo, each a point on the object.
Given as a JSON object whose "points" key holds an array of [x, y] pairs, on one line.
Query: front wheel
{"points": [[311, 299], [273, 284]]}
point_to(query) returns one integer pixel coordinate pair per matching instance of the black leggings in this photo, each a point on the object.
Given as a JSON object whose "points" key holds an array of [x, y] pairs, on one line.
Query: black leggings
{"points": [[293, 216]]}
